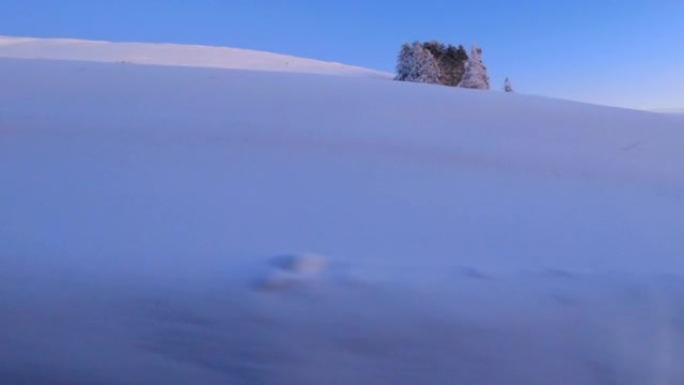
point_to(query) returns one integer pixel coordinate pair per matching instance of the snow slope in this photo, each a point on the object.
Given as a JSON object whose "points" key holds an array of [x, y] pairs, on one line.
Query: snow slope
{"points": [[671, 110], [157, 225], [170, 54]]}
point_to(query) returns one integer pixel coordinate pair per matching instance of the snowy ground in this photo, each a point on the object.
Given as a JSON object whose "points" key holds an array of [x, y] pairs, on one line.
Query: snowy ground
{"points": [[148, 216], [171, 55]]}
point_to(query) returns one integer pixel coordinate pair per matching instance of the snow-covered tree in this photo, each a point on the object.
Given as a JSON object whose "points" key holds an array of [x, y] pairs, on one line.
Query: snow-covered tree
{"points": [[452, 64], [507, 85], [417, 64], [405, 62], [475, 76], [436, 48]]}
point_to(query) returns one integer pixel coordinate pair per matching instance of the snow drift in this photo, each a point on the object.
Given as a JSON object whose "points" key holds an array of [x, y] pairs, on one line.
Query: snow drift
{"points": [[458, 236]]}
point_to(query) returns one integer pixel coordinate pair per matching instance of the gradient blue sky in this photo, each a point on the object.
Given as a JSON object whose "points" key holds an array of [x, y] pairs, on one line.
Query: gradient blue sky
{"points": [[617, 52]]}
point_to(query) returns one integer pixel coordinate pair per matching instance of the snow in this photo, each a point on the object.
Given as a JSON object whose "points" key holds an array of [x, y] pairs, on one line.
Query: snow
{"points": [[305, 264], [677, 111], [172, 55], [293, 269], [154, 222]]}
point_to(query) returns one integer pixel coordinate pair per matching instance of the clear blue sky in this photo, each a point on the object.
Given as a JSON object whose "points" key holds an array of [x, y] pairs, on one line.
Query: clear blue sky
{"points": [[617, 52]]}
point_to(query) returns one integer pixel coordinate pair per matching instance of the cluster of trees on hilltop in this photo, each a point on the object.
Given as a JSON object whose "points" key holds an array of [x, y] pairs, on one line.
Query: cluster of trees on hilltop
{"points": [[450, 61], [436, 63]]}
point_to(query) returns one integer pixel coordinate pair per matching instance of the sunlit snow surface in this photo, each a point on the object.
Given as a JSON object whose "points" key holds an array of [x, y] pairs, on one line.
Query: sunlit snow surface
{"points": [[210, 226], [171, 55]]}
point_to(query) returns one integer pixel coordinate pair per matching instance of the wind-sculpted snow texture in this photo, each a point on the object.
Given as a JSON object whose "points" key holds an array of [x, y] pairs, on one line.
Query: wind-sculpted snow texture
{"points": [[209, 226]]}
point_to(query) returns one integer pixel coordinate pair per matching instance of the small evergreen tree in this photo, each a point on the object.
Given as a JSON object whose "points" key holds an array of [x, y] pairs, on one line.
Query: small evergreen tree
{"points": [[417, 64], [507, 86], [475, 76]]}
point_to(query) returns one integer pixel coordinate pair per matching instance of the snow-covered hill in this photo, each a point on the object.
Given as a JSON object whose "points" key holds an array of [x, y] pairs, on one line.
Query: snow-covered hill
{"points": [[170, 54], [157, 225]]}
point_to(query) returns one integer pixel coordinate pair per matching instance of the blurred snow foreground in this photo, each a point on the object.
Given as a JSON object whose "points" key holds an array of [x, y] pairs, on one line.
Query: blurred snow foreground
{"points": [[292, 270], [466, 237]]}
